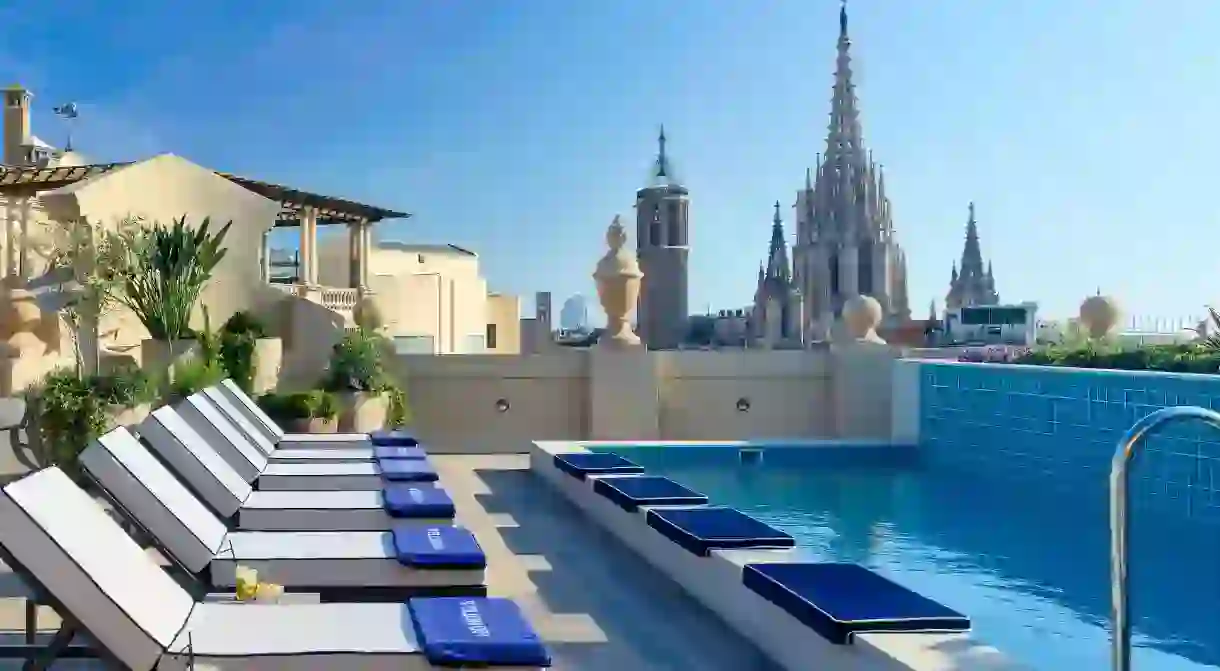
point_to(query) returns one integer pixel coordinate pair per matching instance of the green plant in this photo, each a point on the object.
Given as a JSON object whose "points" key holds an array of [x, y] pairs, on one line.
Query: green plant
{"points": [[313, 404], [356, 363], [1174, 358], [68, 414], [238, 337], [126, 387], [1210, 335], [399, 411], [194, 374], [160, 274]]}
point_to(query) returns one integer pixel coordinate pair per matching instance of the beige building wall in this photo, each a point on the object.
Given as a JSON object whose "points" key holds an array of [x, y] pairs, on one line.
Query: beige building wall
{"points": [[432, 298], [501, 403], [503, 324], [158, 190]]}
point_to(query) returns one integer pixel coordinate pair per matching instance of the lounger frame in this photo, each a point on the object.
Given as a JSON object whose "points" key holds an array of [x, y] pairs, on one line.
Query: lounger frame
{"points": [[200, 584]]}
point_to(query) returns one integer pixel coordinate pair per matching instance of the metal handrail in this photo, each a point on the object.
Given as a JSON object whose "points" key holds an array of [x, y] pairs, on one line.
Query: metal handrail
{"points": [[1120, 522]]}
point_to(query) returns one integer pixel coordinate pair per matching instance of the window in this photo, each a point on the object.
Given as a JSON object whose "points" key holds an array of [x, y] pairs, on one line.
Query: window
{"points": [[834, 274], [654, 234], [414, 345], [674, 209], [491, 336], [864, 276]]}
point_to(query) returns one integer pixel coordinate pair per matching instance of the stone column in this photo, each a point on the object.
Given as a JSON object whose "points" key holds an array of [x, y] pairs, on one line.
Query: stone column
{"points": [[354, 244], [366, 248], [308, 270], [26, 261], [265, 256], [849, 272]]}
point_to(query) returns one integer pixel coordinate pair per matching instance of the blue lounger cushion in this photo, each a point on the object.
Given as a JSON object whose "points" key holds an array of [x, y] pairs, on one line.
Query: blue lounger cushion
{"points": [[581, 465], [839, 601], [476, 632], [404, 499], [394, 437], [436, 547], [632, 491], [399, 452], [701, 530], [407, 470]]}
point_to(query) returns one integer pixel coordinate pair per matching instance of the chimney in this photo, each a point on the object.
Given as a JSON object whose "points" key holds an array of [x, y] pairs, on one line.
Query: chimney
{"points": [[17, 138]]}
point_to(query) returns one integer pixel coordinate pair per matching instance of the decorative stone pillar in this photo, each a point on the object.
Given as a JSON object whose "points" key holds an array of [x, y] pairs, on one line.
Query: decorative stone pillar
{"points": [[618, 279], [366, 247], [10, 237], [1099, 315], [861, 316]]}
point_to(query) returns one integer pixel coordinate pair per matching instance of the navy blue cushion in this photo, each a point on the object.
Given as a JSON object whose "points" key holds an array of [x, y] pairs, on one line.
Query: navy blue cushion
{"points": [[701, 530], [399, 452], [407, 470], [439, 546], [474, 632], [629, 492], [407, 500], [400, 437], [841, 600], [581, 465]]}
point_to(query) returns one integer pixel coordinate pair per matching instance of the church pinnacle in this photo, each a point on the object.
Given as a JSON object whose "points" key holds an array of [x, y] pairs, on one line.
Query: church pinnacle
{"points": [[973, 283]]}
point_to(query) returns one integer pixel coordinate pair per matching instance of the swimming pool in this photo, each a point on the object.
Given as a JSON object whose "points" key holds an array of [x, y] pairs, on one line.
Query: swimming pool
{"points": [[1028, 565]]}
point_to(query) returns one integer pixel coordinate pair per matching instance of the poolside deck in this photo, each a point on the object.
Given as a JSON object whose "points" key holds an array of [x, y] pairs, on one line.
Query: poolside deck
{"points": [[598, 606]]}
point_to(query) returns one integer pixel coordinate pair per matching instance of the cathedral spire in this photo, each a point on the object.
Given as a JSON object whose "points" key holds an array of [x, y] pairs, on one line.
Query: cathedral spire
{"points": [[975, 283], [972, 254], [844, 139], [777, 254], [663, 170]]}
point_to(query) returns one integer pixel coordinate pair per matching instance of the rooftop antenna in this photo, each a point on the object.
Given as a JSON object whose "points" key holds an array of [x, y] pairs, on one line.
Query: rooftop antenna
{"points": [[68, 112]]}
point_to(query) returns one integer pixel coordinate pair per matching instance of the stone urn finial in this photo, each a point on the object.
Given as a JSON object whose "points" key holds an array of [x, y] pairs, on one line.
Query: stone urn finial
{"points": [[861, 316], [618, 279], [1099, 315]]}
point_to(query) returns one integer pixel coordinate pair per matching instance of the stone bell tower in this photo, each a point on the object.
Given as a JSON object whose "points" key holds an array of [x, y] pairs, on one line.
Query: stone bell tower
{"points": [[662, 226]]}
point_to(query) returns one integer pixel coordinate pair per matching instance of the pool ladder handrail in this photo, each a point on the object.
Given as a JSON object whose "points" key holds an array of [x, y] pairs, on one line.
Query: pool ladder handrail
{"points": [[1120, 521]]}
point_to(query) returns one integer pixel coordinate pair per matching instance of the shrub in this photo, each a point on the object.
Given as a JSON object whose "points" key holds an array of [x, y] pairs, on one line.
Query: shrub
{"points": [[194, 374], [238, 337], [357, 364], [127, 387], [68, 413], [315, 404], [1175, 358]]}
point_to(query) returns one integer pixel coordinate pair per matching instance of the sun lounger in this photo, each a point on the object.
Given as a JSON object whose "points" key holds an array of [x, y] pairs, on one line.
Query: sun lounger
{"points": [[193, 458], [233, 500], [108, 589], [242, 453], [340, 565], [239, 403]]}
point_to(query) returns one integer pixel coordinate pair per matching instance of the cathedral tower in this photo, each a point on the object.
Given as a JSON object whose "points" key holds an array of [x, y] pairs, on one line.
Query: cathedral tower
{"points": [[972, 285], [845, 242], [662, 225]]}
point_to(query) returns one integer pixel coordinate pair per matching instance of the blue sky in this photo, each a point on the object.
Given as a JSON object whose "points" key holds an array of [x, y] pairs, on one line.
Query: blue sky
{"points": [[1085, 130]]}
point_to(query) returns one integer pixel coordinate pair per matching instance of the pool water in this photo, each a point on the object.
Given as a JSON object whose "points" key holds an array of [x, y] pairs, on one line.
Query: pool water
{"points": [[1029, 566]]}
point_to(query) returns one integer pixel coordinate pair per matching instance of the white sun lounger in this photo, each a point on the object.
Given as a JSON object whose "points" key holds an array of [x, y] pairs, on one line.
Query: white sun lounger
{"points": [[230, 498], [193, 458], [243, 453], [271, 431], [341, 565], [107, 588]]}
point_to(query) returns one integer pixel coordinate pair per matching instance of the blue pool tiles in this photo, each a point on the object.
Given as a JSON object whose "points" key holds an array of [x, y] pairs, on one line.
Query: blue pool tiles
{"points": [[1061, 426]]}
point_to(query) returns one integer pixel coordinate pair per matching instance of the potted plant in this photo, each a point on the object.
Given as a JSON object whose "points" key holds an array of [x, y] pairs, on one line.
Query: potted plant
{"points": [[303, 411], [126, 394], [159, 274], [68, 413], [357, 375], [250, 356]]}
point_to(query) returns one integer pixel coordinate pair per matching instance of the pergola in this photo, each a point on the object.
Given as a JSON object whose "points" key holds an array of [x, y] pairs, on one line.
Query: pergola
{"points": [[302, 209]]}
